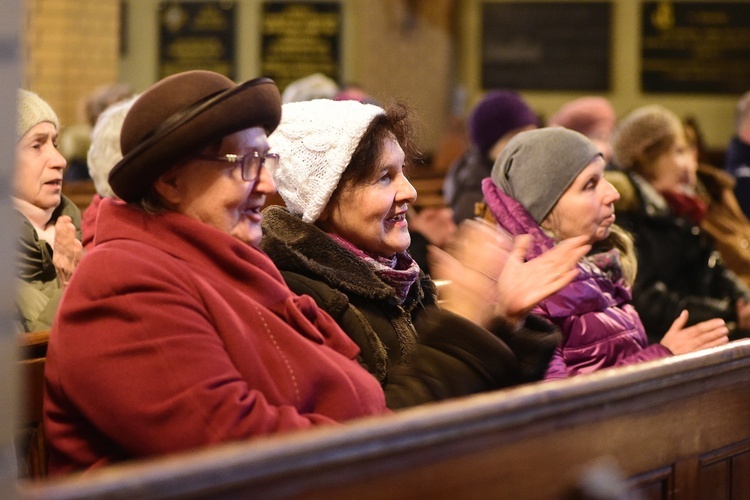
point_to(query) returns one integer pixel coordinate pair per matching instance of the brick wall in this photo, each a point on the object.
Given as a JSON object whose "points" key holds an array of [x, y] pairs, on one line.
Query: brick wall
{"points": [[70, 47]]}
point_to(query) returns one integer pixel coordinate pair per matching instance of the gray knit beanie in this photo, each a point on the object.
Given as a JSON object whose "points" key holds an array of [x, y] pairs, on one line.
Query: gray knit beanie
{"points": [[33, 110], [538, 166]]}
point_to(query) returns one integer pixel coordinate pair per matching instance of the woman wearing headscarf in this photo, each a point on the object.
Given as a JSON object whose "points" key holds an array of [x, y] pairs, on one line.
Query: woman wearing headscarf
{"points": [[680, 267], [176, 331], [550, 183], [49, 242], [343, 238]]}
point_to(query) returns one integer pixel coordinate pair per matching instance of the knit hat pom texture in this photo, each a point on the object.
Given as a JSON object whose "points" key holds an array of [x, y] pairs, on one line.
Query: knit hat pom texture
{"points": [[315, 142]]}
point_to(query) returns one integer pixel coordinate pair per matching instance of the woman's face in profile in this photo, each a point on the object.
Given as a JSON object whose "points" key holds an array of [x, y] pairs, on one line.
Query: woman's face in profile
{"points": [[214, 192], [39, 167], [587, 207], [372, 216], [675, 169]]}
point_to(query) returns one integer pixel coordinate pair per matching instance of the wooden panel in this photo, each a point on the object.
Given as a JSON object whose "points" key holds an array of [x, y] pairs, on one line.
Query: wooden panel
{"points": [[682, 414], [741, 476]]}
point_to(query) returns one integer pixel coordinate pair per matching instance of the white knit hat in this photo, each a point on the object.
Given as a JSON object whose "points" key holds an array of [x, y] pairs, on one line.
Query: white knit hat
{"points": [[33, 110], [315, 142]]}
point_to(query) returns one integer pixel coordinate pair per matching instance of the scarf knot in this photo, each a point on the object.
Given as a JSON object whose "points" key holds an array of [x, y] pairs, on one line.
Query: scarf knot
{"points": [[399, 271]]}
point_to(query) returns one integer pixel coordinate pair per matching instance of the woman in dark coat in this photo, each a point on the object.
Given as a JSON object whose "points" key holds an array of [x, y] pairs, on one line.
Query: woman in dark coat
{"points": [[342, 239], [679, 265]]}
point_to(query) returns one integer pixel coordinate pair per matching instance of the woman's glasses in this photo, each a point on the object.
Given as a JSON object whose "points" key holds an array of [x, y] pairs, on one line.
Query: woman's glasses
{"points": [[250, 163]]}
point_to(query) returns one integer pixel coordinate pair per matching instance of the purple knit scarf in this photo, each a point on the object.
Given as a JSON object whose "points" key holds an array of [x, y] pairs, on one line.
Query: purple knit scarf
{"points": [[400, 271]]}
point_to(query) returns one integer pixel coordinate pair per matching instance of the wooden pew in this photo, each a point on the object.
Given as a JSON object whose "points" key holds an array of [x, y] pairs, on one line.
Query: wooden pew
{"points": [[31, 448], [677, 429]]}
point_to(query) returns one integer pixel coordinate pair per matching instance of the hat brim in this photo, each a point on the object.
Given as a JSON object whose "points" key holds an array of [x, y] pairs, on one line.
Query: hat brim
{"points": [[256, 103]]}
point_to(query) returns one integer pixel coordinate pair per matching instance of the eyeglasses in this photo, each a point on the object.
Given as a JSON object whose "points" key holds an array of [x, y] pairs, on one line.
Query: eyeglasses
{"points": [[250, 163]]}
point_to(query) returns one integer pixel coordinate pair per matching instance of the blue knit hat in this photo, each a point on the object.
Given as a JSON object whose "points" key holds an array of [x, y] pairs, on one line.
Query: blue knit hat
{"points": [[499, 112]]}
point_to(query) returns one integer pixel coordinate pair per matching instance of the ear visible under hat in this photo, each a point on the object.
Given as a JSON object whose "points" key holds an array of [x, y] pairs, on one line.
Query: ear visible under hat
{"points": [[182, 114], [33, 110], [315, 142]]}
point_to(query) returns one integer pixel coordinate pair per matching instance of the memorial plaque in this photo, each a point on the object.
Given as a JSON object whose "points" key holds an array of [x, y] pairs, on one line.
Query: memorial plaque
{"points": [[695, 47], [299, 39], [546, 45], [197, 35]]}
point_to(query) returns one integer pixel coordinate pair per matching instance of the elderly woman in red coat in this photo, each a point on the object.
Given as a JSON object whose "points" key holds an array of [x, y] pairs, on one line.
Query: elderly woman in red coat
{"points": [[176, 332]]}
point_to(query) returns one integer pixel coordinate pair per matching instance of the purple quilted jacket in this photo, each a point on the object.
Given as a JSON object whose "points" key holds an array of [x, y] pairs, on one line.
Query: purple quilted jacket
{"points": [[599, 325]]}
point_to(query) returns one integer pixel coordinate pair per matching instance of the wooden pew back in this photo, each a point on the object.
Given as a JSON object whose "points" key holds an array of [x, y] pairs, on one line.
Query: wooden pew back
{"points": [[677, 428], [31, 448]]}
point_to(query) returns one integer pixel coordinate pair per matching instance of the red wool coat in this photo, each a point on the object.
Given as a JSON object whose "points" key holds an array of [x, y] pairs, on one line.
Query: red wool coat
{"points": [[173, 335]]}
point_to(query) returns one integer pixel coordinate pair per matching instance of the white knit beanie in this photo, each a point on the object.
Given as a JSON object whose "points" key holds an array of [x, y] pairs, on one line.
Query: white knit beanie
{"points": [[105, 152], [315, 142], [33, 110]]}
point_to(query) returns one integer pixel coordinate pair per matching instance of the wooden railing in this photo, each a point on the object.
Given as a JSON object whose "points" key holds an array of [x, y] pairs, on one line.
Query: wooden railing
{"points": [[677, 428]]}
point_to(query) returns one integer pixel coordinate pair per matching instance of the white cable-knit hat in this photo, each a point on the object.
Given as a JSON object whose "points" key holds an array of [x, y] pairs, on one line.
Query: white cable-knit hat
{"points": [[315, 142]]}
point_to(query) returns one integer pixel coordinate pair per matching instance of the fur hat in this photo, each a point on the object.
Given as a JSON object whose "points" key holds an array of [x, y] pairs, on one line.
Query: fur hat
{"points": [[499, 112], [180, 115], [33, 110], [315, 142], [538, 166], [591, 116], [640, 129], [104, 152]]}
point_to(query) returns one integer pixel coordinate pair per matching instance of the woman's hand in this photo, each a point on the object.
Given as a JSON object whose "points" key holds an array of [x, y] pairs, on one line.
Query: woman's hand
{"points": [[521, 285], [681, 340], [434, 223], [471, 264], [489, 277], [67, 250]]}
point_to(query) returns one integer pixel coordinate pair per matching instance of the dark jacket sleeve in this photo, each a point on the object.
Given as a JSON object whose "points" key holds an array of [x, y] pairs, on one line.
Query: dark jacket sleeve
{"points": [[455, 357]]}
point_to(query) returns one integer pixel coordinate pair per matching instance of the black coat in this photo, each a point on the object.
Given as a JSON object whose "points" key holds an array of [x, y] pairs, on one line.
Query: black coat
{"points": [[678, 266], [419, 352]]}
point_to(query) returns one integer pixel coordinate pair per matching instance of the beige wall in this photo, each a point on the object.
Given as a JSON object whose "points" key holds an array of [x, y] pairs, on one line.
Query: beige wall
{"points": [[380, 51], [70, 47], [433, 59]]}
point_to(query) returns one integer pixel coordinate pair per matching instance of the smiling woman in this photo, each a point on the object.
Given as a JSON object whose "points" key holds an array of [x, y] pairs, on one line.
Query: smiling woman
{"points": [[343, 239], [176, 331], [50, 245]]}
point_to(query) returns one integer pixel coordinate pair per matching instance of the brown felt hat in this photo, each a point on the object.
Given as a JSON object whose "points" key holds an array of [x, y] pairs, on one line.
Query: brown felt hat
{"points": [[182, 114]]}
